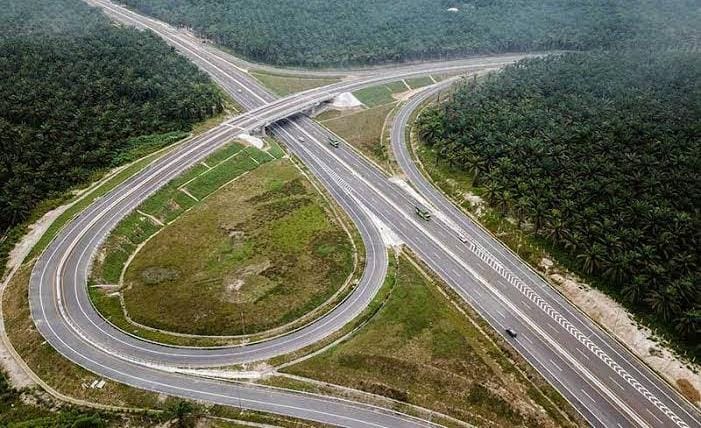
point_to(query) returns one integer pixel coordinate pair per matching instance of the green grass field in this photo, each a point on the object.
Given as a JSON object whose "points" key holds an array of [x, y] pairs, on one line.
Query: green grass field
{"points": [[397, 87], [286, 85], [420, 349], [256, 254], [169, 203], [419, 82], [375, 95]]}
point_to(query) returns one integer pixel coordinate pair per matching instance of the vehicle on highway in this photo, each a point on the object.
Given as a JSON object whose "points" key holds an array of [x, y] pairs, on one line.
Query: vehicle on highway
{"points": [[301, 138], [423, 212], [333, 142], [462, 238], [511, 332]]}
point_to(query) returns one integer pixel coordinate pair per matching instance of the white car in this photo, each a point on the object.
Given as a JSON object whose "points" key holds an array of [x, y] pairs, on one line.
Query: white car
{"points": [[301, 138], [462, 238]]}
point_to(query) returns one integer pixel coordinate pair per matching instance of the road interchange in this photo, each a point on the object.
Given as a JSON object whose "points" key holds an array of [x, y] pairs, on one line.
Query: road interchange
{"points": [[487, 276]]}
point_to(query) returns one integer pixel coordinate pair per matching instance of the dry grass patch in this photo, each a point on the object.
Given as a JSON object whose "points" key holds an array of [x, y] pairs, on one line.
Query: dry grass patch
{"points": [[688, 390]]}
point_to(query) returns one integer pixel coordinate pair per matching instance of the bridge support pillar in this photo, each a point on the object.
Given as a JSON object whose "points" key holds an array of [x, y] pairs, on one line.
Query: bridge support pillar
{"points": [[259, 132], [316, 109]]}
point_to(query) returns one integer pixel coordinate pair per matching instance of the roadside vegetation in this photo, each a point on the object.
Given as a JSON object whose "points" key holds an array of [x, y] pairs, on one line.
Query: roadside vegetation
{"points": [[257, 251], [595, 157], [79, 95], [366, 128], [32, 408], [286, 85], [321, 33], [421, 349]]}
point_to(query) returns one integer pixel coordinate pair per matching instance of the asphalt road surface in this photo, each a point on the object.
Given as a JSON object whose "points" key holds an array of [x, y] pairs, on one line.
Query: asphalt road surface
{"points": [[640, 389], [65, 317], [602, 380]]}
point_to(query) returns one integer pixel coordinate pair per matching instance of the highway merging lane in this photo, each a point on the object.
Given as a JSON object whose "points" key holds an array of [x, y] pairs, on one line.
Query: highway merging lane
{"points": [[604, 382]]}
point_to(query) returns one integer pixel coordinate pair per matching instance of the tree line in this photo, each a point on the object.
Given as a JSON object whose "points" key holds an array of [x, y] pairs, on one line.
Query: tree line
{"points": [[319, 33], [599, 154], [74, 91]]}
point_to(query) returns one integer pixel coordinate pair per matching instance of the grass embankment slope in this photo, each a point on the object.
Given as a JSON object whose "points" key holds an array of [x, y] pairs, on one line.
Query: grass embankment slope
{"points": [[320, 33], [286, 85], [29, 408], [76, 93], [594, 157], [420, 349], [255, 254]]}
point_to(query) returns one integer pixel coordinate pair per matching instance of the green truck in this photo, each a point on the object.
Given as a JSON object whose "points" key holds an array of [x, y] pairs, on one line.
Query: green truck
{"points": [[333, 142], [423, 212]]}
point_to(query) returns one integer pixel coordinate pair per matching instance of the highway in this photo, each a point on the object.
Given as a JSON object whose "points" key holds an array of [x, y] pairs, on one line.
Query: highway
{"points": [[648, 384], [65, 317], [602, 380]]}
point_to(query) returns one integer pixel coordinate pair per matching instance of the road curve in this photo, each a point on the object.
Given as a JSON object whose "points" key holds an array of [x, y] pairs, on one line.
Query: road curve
{"points": [[64, 316], [57, 289], [655, 387]]}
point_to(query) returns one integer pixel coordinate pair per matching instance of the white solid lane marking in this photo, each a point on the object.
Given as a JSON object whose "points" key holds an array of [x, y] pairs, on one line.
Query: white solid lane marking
{"points": [[554, 364], [616, 382], [588, 396], [582, 353], [654, 416]]}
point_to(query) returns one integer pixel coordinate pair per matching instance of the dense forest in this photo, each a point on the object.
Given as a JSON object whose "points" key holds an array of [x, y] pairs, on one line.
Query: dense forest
{"points": [[341, 32], [74, 91], [599, 154]]}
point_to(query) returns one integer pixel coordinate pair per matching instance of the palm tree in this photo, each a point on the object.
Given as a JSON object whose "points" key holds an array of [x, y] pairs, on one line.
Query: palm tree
{"points": [[554, 227], [430, 126], [633, 292], [476, 164], [491, 191], [617, 268], [664, 302], [592, 257], [689, 323]]}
